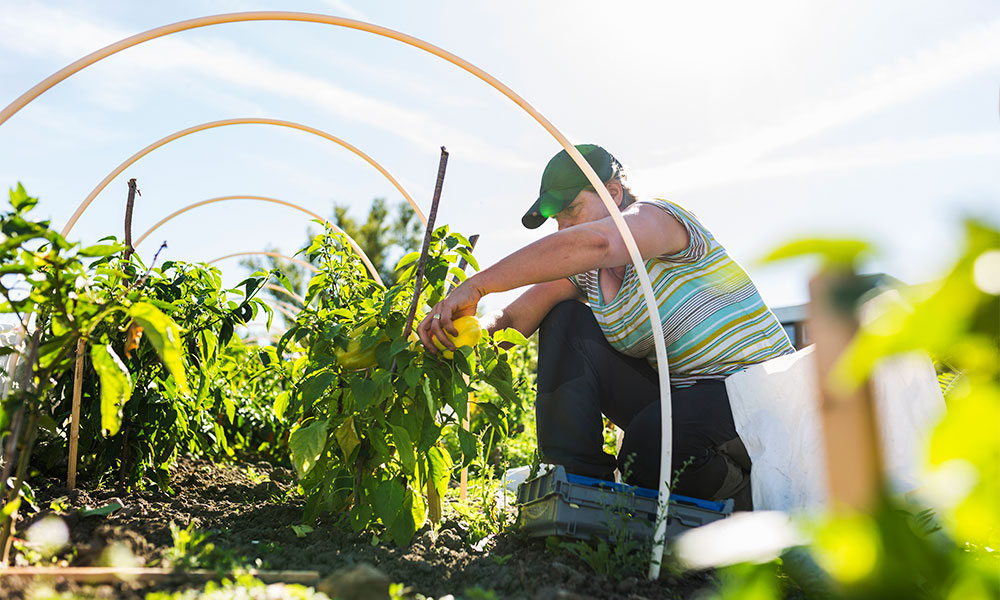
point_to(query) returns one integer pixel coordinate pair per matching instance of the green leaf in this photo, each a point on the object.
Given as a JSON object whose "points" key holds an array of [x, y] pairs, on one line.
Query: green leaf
{"points": [[314, 388], [441, 464], [411, 517], [412, 376], [467, 442], [306, 445], [230, 407], [429, 433], [495, 416], [116, 387], [301, 530], [463, 360], [347, 437], [467, 255], [404, 447], [103, 511], [10, 508], [389, 500], [165, 335], [99, 250], [510, 335], [363, 391], [20, 199], [281, 405]]}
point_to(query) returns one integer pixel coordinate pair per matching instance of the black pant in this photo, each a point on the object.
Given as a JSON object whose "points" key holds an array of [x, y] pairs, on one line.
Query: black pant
{"points": [[581, 377]]}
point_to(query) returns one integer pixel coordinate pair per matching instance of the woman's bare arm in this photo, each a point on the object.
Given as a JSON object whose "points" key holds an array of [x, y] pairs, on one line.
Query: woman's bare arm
{"points": [[574, 250]]}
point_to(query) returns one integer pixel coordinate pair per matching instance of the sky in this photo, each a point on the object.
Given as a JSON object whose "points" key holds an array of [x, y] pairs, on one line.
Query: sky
{"points": [[771, 121]]}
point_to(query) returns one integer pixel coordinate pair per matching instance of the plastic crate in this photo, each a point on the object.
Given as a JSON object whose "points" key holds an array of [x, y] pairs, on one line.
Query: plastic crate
{"points": [[560, 504]]}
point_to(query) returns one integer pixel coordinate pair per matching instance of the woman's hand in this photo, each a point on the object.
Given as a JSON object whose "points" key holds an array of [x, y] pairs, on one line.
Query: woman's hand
{"points": [[462, 301]]}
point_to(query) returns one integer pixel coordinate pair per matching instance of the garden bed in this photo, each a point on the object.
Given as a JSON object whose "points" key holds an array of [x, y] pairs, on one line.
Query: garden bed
{"points": [[250, 517]]}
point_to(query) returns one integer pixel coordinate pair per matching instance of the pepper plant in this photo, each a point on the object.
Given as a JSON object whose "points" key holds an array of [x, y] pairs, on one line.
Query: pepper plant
{"points": [[369, 440], [47, 288], [150, 385], [165, 414]]}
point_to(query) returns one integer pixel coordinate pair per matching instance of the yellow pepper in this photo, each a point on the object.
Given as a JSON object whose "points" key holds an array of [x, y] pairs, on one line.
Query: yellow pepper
{"points": [[469, 333], [354, 358]]}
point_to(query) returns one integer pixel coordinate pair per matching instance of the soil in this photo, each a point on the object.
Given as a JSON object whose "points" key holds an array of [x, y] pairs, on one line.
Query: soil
{"points": [[249, 523]]}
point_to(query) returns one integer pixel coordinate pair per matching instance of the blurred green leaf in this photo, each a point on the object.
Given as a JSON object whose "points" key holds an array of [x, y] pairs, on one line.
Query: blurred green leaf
{"points": [[833, 254], [101, 250], [20, 199]]}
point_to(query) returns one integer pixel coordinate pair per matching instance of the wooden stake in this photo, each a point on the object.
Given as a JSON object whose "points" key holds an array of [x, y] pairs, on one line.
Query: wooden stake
{"points": [[853, 451], [129, 205], [74, 419], [463, 478], [425, 247], [433, 498]]}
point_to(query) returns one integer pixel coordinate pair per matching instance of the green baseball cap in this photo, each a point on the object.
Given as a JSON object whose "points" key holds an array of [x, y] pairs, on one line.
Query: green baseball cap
{"points": [[562, 180]]}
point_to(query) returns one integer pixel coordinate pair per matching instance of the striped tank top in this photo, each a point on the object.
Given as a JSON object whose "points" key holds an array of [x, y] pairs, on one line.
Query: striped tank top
{"points": [[714, 320]]}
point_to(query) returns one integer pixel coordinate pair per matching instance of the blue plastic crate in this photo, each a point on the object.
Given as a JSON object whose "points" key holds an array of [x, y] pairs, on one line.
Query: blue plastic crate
{"points": [[560, 504]]}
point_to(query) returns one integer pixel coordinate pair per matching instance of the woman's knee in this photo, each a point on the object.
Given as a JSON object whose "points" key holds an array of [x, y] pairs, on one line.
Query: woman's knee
{"points": [[567, 320]]}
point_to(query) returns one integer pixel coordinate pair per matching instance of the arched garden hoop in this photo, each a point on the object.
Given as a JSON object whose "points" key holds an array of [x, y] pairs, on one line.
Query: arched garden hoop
{"points": [[281, 290], [633, 250], [297, 261], [223, 123], [357, 249]]}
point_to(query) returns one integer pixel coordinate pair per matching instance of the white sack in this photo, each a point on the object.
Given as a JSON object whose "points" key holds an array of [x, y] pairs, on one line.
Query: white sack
{"points": [[776, 411]]}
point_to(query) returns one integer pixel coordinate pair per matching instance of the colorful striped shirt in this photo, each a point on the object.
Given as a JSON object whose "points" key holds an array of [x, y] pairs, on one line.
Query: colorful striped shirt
{"points": [[714, 320]]}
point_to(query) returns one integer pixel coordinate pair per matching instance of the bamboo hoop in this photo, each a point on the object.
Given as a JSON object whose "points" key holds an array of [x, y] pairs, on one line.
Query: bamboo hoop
{"points": [[633, 250], [293, 295], [357, 248], [223, 123], [297, 261], [281, 308]]}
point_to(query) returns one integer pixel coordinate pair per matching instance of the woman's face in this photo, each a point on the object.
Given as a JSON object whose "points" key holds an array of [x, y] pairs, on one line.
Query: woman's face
{"points": [[587, 207]]}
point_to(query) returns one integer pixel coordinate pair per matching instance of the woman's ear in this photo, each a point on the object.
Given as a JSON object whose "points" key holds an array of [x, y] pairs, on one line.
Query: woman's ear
{"points": [[617, 193]]}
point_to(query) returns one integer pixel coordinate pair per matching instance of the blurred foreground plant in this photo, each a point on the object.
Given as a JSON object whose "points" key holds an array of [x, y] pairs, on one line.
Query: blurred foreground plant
{"points": [[903, 549]]}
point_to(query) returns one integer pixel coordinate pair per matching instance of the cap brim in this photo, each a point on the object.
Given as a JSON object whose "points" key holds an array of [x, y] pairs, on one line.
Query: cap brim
{"points": [[547, 205]]}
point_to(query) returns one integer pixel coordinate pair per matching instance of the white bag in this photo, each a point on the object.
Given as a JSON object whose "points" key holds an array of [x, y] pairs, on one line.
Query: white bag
{"points": [[776, 411]]}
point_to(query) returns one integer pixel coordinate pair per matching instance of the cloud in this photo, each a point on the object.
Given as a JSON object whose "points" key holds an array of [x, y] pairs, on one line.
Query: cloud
{"points": [[951, 61], [875, 154], [221, 61], [343, 8]]}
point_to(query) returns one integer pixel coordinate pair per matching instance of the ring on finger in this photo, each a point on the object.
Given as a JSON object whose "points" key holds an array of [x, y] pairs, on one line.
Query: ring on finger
{"points": [[436, 316]]}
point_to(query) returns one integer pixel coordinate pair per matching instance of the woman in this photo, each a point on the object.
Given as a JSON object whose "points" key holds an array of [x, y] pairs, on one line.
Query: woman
{"points": [[601, 360]]}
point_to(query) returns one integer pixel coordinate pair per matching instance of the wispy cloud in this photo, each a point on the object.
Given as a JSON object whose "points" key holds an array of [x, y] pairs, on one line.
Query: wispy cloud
{"points": [[876, 154], [970, 53], [341, 7], [221, 61]]}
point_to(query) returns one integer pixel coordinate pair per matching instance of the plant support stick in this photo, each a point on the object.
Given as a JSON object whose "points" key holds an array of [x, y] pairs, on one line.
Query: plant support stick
{"points": [[129, 205], [425, 247], [74, 419]]}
